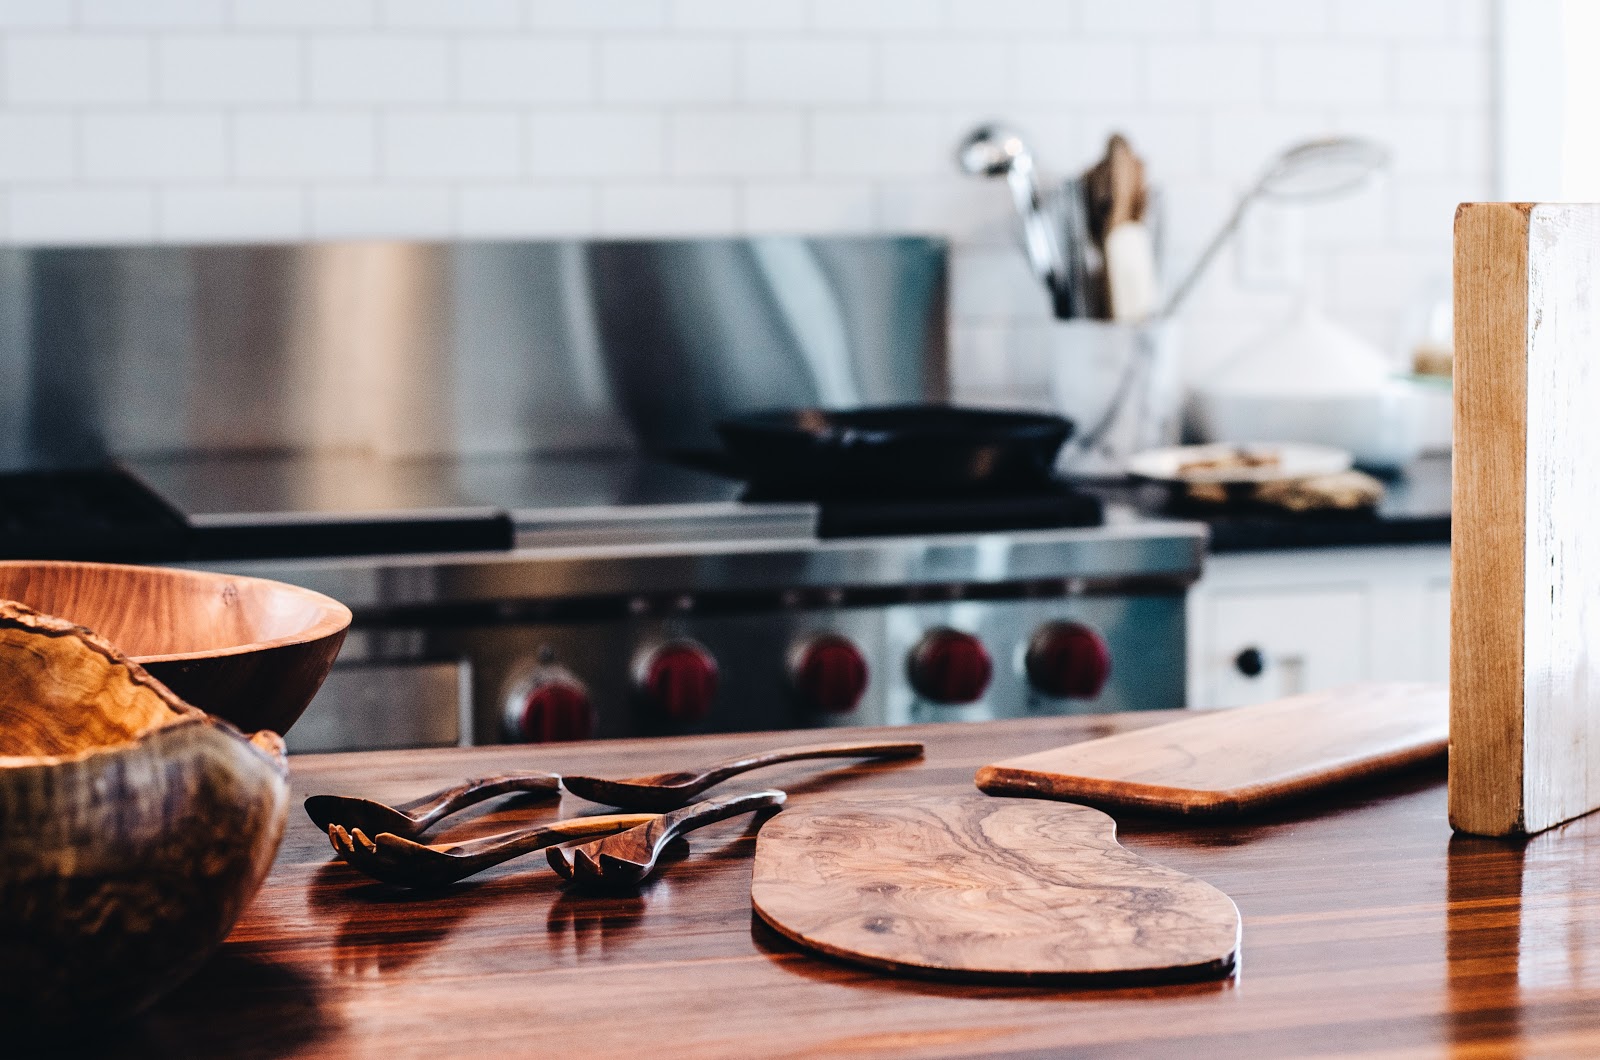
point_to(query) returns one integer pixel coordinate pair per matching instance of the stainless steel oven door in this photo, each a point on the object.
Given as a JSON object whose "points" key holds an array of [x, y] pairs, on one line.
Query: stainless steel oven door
{"points": [[368, 706]]}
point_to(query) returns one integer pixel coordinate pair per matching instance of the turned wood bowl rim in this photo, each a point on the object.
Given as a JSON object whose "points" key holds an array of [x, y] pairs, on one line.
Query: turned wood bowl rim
{"points": [[333, 617]]}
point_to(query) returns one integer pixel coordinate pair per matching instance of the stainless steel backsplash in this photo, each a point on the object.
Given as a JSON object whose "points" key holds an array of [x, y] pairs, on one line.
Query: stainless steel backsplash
{"points": [[452, 348]]}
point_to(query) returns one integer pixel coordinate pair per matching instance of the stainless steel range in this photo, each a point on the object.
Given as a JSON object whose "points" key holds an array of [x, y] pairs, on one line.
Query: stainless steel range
{"points": [[653, 615], [493, 453]]}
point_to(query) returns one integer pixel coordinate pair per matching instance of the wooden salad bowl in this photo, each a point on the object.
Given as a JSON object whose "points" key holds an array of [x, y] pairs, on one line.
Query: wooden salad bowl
{"points": [[134, 829], [248, 650]]}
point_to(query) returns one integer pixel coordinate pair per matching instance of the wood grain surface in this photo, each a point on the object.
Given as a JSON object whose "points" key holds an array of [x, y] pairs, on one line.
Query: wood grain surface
{"points": [[249, 650], [1368, 931], [973, 888], [64, 690], [133, 828], [1525, 570], [1220, 763]]}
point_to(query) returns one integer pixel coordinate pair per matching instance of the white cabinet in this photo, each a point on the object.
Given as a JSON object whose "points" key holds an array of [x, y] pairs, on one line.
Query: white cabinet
{"points": [[1269, 624]]}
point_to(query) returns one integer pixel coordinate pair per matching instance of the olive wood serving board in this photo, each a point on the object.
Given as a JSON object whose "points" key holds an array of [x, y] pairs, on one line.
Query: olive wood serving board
{"points": [[972, 888], [1224, 763]]}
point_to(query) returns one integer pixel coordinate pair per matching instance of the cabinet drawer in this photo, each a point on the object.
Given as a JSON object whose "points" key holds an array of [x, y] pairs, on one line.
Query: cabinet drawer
{"points": [[1265, 645]]}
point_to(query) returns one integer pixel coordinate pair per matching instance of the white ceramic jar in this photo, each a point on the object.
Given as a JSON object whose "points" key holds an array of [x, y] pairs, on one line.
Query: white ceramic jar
{"points": [[1120, 385]]}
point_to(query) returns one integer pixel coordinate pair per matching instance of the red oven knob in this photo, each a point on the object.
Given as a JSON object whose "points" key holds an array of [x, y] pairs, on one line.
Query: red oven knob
{"points": [[550, 706], [678, 679], [1068, 660], [829, 673], [950, 667]]}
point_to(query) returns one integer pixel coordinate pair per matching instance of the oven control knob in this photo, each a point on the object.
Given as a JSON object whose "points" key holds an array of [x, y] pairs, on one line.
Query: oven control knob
{"points": [[829, 673], [1068, 660], [950, 667], [550, 705], [678, 679]]}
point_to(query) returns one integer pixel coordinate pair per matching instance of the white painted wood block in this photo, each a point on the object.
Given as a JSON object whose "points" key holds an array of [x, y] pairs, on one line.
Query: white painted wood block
{"points": [[1525, 624]]}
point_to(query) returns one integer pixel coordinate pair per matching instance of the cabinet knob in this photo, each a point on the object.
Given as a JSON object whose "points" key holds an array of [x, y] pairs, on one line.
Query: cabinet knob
{"points": [[950, 667], [1250, 662]]}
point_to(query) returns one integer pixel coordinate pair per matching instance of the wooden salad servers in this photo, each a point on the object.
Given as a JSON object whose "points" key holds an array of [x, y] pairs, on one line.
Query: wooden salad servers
{"points": [[404, 862], [976, 888], [410, 819], [661, 792], [624, 860], [134, 829]]}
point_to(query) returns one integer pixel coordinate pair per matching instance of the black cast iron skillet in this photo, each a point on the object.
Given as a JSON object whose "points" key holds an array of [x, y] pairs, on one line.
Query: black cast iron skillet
{"points": [[893, 451]]}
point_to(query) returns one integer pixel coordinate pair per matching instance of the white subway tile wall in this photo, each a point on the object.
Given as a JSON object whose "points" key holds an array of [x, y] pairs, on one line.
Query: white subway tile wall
{"points": [[217, 120]]}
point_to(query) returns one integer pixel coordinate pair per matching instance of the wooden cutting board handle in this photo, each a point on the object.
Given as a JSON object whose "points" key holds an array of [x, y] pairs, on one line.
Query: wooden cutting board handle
{"points": [[977, 888], [1226, 763]]}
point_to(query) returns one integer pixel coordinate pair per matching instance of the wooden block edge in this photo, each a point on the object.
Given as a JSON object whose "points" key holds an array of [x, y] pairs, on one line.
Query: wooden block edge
{"points": [[1488, 498]]}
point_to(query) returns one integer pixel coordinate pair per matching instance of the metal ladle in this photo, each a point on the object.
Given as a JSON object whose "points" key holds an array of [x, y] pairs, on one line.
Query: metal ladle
{"points": [[995, 151], [1316, 169]]}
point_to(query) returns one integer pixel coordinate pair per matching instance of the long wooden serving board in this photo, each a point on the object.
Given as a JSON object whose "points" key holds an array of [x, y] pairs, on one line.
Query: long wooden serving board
{"points": [[973, 888], [1225, 763]]}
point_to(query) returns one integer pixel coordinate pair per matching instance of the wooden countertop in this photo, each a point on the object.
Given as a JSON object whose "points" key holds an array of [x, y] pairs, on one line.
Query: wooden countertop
{"points": [[1368, 930]]}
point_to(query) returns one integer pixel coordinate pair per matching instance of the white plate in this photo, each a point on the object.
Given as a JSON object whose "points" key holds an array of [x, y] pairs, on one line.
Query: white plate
{"points": [[1290, 460]]}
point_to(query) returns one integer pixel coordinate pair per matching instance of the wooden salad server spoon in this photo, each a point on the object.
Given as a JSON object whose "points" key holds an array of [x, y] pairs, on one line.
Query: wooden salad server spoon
{"points": [[667, 791], [411, 819], [626, 858], [406, 863]]}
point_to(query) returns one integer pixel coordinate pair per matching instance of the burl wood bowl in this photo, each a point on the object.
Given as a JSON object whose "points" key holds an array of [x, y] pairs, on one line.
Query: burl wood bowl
{"points": [[246, 649], [134, 829]]}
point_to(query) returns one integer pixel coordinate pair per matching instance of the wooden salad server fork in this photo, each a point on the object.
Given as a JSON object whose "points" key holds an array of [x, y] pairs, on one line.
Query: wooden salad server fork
{"points": [[667, 791], [407, 863], [411, 819], [626, 858]]}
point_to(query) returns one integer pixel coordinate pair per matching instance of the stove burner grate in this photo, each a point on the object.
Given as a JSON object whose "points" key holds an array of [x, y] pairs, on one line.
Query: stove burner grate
{"points": [[1058, 506], [86, 514]]}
